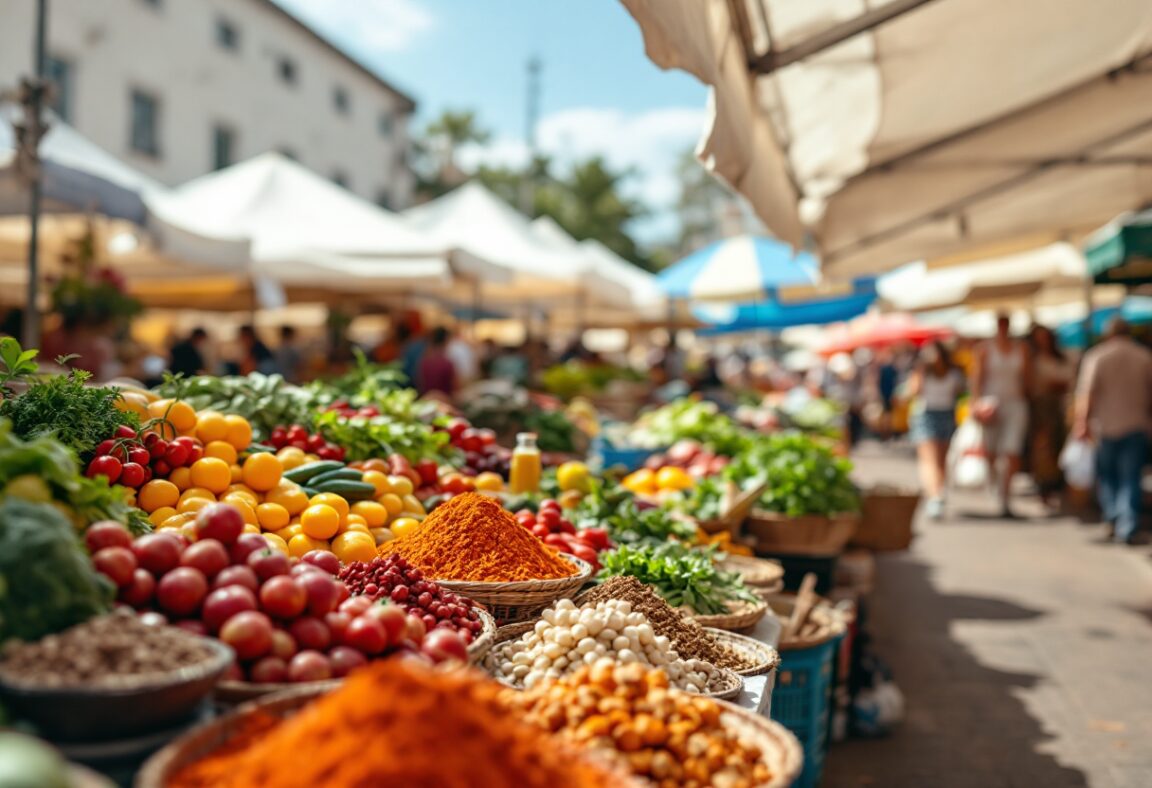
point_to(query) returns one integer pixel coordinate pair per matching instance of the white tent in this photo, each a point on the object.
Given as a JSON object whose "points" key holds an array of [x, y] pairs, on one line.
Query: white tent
{"points": [[474, 219], [306, 231], [894, 130]]}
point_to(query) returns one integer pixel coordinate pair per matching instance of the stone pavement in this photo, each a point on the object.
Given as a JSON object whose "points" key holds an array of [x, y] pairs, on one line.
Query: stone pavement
{"points": [[1023, 649]]}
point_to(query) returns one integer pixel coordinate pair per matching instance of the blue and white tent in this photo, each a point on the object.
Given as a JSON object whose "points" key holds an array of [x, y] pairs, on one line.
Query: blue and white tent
{"points": [[797, 307], [740, 269]]}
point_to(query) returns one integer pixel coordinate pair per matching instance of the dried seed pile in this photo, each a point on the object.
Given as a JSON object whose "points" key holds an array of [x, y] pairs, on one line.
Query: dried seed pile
{"points": [[107, 651], [688, 638]]}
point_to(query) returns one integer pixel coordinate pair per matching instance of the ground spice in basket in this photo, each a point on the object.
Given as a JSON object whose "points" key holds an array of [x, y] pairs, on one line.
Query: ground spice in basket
{"points": [[473, 538], [689, 639], [398, 724]]}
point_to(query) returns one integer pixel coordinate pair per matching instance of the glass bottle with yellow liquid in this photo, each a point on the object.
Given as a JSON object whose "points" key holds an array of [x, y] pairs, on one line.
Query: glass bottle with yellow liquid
{"points": [[526, 467]]}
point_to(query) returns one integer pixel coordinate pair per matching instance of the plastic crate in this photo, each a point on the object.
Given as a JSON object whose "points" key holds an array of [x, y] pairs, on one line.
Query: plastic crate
{"points": [[801, 702], [611, 457]]}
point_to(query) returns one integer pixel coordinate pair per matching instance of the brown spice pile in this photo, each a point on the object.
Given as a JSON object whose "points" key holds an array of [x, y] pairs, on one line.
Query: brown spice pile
{"points": [[398, 724], [107, 651], [688, 638], [473, 538]]}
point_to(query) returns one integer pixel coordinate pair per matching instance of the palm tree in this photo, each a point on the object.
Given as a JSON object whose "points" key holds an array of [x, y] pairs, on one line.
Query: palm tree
{"points": [[450, 131]]}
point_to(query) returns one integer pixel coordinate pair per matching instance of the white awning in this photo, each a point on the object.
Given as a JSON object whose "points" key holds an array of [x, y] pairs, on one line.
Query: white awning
{"points": [[897, 130]]}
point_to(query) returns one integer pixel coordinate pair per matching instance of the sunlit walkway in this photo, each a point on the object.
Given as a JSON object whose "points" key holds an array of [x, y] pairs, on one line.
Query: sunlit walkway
{"points": [[1024, 650]]}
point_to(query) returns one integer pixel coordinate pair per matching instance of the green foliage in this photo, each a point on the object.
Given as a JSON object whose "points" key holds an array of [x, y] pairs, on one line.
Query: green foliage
{"points": [[803, 475], [684, 576], [79, 416], [364, 384], [688, 419], [265, 400], [628, 523], [44, 470], [47, 582], [574, 378], [399, 428], [19, 364]]}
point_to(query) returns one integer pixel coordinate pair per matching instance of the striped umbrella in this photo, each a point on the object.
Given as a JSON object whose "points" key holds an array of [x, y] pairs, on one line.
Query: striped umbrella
{"points": [[740, 269]]}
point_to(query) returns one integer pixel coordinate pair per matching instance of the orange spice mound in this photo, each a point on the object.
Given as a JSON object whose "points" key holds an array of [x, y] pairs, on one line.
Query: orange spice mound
{"points": [[394, 723], [472, 537]]}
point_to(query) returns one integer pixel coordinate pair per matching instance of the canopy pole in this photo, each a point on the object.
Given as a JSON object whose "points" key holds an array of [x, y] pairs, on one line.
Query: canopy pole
{"points": [[477, 303], [28, 135]]}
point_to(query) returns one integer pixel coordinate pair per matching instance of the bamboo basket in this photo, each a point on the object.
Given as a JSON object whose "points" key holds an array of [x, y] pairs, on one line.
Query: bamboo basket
{"points": [[766, 658], [808, 535], [779, 749], [159, 769], [230, 693], [886, 520], [757, 573], [512, 602], [727, 685], [744, 615], [737, 511]]}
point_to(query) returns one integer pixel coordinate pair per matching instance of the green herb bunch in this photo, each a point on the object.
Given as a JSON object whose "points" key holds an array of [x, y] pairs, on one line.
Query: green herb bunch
{"points": [[804, 476], [685, 576]]}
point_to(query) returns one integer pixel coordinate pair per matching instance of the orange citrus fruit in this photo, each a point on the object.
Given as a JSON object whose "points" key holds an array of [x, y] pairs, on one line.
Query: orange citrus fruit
{"points": [[299, 545], [374, 514], [157, 493], [212, 474], [401, 485], [276, 543], [272, 516], [288, 495], [262, 471], [354, 546], [320, 521], [392, 504], [180, 414], [158, 516], [402, 526], [379, 481], [337, 502], [181, 477], [221, 450], [239, 432]]}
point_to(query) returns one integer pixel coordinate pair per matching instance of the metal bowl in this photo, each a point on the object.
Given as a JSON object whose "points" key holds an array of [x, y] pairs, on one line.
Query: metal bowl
{"points": [[91, 714]]}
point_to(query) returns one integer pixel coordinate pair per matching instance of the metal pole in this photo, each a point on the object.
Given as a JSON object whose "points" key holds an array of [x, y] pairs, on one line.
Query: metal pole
{"points": [[35, 100]]}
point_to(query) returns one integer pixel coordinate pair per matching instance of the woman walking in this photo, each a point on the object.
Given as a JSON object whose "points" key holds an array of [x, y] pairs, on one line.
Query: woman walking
{"points": [[1052, 376], [935, 386]]}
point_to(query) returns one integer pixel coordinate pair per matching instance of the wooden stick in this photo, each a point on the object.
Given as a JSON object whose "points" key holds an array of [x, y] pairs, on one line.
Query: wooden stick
{"points": [[805, 600]]}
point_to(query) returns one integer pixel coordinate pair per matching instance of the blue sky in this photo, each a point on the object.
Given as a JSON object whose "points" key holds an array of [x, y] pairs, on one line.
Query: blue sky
{"points": [[600, 94]]}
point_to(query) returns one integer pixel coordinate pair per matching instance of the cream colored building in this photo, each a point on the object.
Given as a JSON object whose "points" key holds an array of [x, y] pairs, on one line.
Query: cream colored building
{"points": [[178, 88]]}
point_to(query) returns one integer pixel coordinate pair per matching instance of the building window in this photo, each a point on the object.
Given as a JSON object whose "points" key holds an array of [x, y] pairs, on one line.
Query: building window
{"points": [[340, 178], [60, 74], [145, 123], [340, 100], [223, 147], [286, 68], [287, 153], [384, 199], [227, 36], [384, 124]]}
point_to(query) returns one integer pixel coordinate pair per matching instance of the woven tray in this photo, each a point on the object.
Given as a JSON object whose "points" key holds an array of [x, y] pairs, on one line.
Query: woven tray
{"points": [[827, 623], [779, 749], [744, 615], [754, 571], [159, 769], [809, 535], [727, 685], [512, 602], [232, 692], [766, 658]]}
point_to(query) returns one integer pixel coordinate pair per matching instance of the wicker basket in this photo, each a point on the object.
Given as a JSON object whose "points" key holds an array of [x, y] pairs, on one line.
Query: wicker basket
{"points": [[779, 749], [726, 685], [734, 517], [763, 657], [744, 615], [886, 520], [229, 693], [519, 601], [159, 769], [809, 535], [757, 572], [825, 623]]}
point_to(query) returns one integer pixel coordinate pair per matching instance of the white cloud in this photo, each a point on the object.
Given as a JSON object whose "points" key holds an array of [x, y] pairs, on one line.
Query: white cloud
{"points": [[366, 26], [648, 142]]}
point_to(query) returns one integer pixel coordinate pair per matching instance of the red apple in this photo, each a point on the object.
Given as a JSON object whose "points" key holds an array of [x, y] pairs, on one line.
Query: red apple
{"points": [[394, 619], [322, 591], [182, 591], [157, 552], [309, 666], [118, 564], [311, 633], [139, 592], [245, 545], [248, 633], [223, 603], [324, 560], [207, 555], [106, 533], [241, 576], [442, 645], [356, 605], [283, 645], [220, 521], [344, 660], [337, 622], [366, 634], [283, 597], [416, 629], [268, 563], [268, 670]]}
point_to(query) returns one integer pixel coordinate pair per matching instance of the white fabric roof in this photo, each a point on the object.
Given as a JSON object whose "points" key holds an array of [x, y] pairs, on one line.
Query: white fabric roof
{"points": [[939, 127], [305, 230]]}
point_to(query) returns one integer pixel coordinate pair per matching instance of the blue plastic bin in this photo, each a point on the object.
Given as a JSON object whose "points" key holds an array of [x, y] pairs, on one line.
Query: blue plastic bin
{"points": [[610, 456], [802, 699]]}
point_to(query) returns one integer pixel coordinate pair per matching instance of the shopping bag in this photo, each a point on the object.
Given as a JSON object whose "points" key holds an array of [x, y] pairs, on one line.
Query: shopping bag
{"points": [[968, 456], [1078, 461]]}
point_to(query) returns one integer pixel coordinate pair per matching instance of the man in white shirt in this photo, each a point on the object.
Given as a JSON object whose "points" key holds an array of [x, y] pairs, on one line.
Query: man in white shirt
{"points": [[1114, 404]]}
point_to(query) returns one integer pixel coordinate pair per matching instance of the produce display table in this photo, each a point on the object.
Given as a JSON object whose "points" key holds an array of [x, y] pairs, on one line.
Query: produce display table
{"points": [[757, 693]]}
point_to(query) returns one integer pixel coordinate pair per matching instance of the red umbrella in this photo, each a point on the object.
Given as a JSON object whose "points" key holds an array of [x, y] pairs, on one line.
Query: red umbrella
{"points": [[873, 331]]}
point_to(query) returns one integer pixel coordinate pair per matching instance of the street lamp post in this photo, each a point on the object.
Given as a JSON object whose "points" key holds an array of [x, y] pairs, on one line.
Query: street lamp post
{"points": [[30, 129]]}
